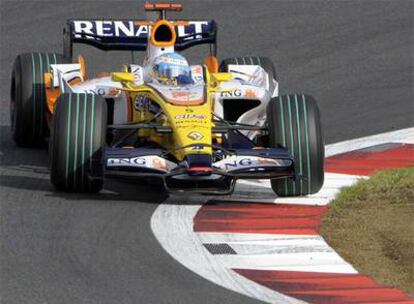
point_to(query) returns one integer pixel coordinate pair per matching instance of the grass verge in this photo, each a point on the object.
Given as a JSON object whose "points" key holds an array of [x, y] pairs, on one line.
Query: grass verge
{"points": [[371, 225]]}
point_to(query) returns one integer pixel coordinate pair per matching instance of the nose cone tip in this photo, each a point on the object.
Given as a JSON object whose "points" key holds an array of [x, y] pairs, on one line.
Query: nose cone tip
{"points": [[199, 171]]}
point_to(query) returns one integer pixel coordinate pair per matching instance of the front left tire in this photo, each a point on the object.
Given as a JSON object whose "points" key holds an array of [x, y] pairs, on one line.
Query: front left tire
{"points": [[77, 145]]}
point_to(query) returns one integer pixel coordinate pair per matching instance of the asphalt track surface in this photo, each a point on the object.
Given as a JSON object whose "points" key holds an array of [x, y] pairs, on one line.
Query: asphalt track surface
{"points": [[355, 57]]}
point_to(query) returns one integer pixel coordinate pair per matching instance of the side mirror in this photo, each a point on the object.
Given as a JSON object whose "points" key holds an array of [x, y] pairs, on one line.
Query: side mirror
{"points": [[122, 77]]}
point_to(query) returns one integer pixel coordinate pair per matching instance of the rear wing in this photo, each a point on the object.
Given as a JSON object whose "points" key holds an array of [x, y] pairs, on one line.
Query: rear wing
{"points": [[132, 35]]}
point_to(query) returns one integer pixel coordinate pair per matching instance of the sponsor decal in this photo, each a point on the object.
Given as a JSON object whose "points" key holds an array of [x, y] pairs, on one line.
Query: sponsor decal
{"points": [[195, 135], [249, 93], [100, 91], [150, 161], [267, 161], [197, 78], [199, 125], [198, 69], [104, 91], [189, 116], [184, 123], [160, 164], [180, 94], [112, 92], [141, 103], [184, 95], [194, 27], [176, 61], [89, 29], [238, 162], [138, 73], [133, 162], [231, 93], [197, 73], [109, 29]]}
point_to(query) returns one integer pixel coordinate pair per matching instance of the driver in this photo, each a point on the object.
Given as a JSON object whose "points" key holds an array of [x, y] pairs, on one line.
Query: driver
{"points": [[171, 69]]}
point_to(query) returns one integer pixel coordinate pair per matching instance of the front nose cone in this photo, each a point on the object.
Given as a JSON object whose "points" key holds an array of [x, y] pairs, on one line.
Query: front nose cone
{"points": [[199, 164]]}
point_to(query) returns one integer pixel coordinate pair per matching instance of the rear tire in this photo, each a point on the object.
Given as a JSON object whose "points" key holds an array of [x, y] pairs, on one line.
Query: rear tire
{"points": [[294, 123], [28, 97], [78, 143]]}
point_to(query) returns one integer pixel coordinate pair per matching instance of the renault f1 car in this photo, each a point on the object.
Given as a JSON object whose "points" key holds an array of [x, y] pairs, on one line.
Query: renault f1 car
{"points": [[200, 131]]}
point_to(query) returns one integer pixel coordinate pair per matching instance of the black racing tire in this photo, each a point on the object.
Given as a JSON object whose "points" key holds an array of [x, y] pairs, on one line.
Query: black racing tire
{"points": [[264, 62], [28, 98], [77, 145], [294, 123]]}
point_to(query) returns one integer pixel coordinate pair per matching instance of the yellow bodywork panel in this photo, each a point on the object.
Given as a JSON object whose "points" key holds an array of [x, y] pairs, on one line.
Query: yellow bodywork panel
{"points": [[191, 125], [122, 77], [220, 77]]}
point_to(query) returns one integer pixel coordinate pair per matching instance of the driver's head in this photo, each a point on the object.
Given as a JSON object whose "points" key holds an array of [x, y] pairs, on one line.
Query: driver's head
{"points": [[172, 69]]}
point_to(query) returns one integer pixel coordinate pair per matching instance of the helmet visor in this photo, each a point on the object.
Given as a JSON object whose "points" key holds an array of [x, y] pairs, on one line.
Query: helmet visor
{"points": [[172, 71]]}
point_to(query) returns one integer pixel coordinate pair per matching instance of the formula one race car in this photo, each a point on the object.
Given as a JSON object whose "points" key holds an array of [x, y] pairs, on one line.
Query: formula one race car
{"points": [[195, 128]]}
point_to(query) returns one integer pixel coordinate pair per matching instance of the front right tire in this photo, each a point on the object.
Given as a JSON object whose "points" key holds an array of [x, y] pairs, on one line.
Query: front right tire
{"points": [[78, 140], [294, 123]]}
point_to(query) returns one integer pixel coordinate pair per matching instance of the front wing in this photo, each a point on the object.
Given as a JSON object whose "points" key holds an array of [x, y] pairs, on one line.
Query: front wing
{"points": [[220, 178]]}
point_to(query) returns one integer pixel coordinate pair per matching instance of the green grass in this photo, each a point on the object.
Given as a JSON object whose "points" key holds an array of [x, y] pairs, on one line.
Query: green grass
{"points": [[371, 225]]}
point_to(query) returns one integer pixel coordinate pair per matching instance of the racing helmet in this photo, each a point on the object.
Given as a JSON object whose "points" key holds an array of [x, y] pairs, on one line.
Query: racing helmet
{"points": [[172, 69]]}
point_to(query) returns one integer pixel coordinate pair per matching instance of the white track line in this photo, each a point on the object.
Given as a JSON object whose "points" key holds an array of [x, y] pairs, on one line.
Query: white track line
{"points": [[278, 252], [333, 183], [400, 136], [172, 225]]}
